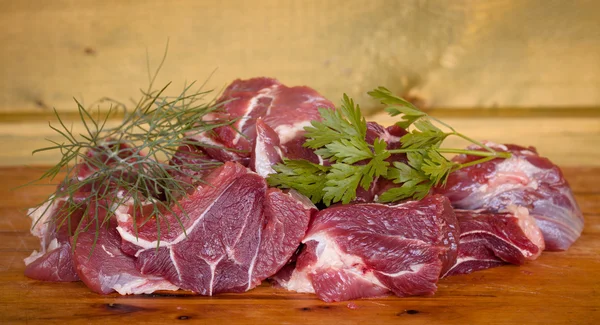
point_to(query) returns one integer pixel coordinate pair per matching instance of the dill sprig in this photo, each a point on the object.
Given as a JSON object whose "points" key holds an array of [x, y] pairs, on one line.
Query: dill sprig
{"points": [[105, 166], [340, 137]]}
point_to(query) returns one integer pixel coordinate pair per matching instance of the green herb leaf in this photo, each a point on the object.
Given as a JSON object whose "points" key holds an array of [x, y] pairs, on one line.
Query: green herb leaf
{"points": [[345, 122], [426, 135], [437, 167], [397, 106], [346, 151], [301, 175], [340, 138], [342, 182]]}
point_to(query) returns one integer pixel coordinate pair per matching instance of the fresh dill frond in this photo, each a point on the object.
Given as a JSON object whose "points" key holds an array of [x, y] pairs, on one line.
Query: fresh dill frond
{"points": [[105, 166]]}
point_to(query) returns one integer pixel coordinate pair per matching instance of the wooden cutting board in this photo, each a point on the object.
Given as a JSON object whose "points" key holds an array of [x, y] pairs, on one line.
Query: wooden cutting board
{"points": [[558, 288]]}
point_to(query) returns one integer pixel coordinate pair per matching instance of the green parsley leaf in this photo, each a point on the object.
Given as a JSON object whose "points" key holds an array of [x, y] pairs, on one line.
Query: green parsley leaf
{"points": [[342, 182], [415, 183], [301, 175], [340, 138], [346, 151], [396, 106], [345, 122], [425, 136], [437, 167]]}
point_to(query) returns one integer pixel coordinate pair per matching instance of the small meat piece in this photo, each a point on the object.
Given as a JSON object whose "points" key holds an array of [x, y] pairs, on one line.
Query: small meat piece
{"points": [[367, 250], [193, 163], [489, 239], [56, 220], [54, 262], [525, 179], [103, 266], [227, 236], [267, 151], [109, 153], [286, 110], [286, 219]]}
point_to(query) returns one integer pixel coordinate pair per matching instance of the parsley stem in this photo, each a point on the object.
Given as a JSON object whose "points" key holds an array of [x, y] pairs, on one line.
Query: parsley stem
{"points": [[472, 141], [475, 162], [493, 154], [454, 132]]}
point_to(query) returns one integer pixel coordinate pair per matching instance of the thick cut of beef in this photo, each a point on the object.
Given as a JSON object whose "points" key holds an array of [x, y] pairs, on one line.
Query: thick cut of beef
{"points": [[55, 221], [525, 179], [193, 163], [391, 135], [108, 153], [286, 110], [103, 266], [489, 239], [366, 250], [227, 236], [54, 261]]}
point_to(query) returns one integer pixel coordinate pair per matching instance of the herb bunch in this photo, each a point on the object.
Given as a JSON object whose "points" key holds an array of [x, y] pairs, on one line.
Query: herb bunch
{"points": [[340, 138], [108, 165]]}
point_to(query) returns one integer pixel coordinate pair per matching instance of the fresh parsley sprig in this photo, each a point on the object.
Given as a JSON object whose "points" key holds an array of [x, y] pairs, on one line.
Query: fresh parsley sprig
{"points": [[340, 139]]}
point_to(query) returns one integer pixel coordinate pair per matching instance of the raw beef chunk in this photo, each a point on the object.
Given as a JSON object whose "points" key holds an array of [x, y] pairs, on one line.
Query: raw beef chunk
{"points": [[56, 221], [232, 233], [286, 110], [266, 151], [366, 250], [525, 179], [193, 163], [490, 239], [54, 261], [103, 266]]}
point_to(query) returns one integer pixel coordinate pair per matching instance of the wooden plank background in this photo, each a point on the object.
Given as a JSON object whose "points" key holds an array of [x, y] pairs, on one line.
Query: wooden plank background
{"points": [[462, 53], [521, 71], [567, 141]]}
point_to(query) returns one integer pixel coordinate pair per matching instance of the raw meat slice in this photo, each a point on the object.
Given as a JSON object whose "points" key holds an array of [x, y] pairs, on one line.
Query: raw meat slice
{"points": [[103, 266], [366, 250], [287, 216], [237, 233], [217, 149], [54, 262], [287, 110], [108, 153], [489, 239], [525, 179], [266, 151], [56, 220], [194, 163], [391, 135]]}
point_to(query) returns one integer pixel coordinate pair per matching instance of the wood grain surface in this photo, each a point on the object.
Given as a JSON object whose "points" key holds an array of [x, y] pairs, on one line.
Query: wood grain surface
{"points": [[558, 288], [460, 53]]}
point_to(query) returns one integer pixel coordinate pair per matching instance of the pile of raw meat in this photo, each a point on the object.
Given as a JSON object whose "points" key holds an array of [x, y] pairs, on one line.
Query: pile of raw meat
{"points": [[238, 232]]}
